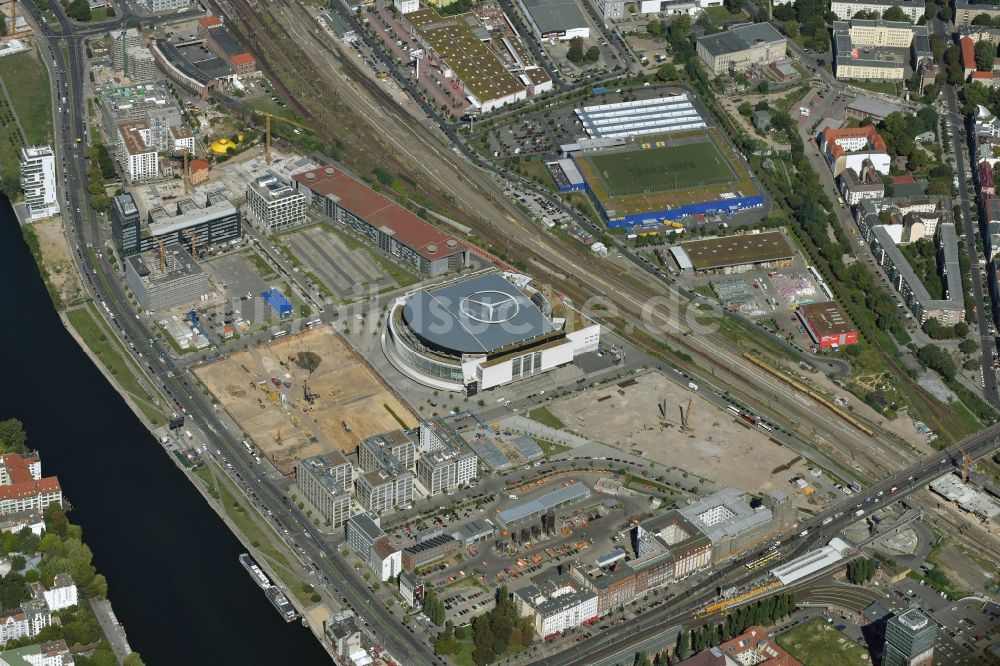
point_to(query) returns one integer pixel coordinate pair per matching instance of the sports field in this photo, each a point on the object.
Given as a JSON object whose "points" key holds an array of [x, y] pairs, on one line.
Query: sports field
{"points": [[662, 168], [665, 173]]}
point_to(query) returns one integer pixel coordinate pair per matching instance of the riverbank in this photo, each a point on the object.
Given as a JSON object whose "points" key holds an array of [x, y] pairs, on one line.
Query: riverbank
{"points": [[25, 112]]}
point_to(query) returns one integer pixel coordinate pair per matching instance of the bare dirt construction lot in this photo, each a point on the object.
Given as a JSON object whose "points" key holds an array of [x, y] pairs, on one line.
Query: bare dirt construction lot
{"points": [[264, 389], [719, 447], [58, 261]]}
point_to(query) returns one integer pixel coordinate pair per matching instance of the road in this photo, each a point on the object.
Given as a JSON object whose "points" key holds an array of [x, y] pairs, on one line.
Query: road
{"points": [[105, 286], [815, 533]]}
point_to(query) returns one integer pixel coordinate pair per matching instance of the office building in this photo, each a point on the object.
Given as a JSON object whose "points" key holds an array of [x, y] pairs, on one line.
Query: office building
{"points": [[444, 471], [192, 226], [909, 640], [385, 559], [22, 486], [324, 482], [363, 530], [848, 9], [165, 278], [38, 182], [125, 224], [381, 491], [274, 206], [879, 50], [140, 67], [736, 49]]}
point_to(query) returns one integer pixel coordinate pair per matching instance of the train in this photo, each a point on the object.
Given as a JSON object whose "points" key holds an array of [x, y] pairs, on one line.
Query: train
{"points": [[713, 608], [809, 392], [763, 561]]}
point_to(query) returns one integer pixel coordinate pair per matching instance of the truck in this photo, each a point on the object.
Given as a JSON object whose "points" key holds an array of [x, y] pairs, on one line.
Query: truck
{"points": [[828, 520], [804, 533], [692, 386], [804, 111], [859, 512]]}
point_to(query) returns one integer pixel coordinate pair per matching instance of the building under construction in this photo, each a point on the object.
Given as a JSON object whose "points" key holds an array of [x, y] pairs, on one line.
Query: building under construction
{"points": [[165, 278]]}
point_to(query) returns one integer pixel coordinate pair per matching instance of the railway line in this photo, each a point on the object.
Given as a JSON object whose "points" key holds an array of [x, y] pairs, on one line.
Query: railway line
{"points": [[641, 304]]}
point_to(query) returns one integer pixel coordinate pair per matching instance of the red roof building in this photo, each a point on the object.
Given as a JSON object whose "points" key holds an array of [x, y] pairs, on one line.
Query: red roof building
{"points": [[968, 55], [393, 228], [22, 487], [827, 324]]}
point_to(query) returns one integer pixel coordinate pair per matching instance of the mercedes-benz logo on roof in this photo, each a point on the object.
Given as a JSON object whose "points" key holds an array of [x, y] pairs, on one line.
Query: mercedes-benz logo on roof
{"points": [[489, 306]]}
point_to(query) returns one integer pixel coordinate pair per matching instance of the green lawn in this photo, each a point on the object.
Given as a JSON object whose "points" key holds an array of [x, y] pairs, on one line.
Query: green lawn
{"points": [[722, 15], [535, 170], [114, 358], [661, 168], [550, 449], [27, 82], [886, 87], [545, 417], [260, 264], [817, 643]]}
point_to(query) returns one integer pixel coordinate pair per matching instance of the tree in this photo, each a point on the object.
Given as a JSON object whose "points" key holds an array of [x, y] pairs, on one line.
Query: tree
{"points": [[3, 26], [745, 109], [968, 346], [683, 644], [983, 19], [79, 10], [866, 14], [895, 13], [986, 53], [593, 54], [17, 563], [575, 53], [133, 658], [667, 72], [961, 329], [12, 437]]}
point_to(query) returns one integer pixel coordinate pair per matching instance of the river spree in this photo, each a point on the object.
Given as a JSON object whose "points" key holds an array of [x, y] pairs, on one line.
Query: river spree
{"points": [[170, 561]]}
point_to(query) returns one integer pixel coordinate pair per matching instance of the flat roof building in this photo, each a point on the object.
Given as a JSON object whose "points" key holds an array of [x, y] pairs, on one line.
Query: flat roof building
{"points": [[734, 254], [575, 492], [847, 9], [556, 605], [457, 42], [381, 491], [555, 19], [389, 226], [909, 639], [192, 226], [878, 50], [430, 550], [738, 48], [273, 206], [38, 182], [827, 324], [324, 481], [661, 115], [165, 278], [966, 11]]}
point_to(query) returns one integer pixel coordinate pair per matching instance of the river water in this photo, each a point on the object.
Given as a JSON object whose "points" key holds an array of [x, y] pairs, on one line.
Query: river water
{"points": [[171, 563]]}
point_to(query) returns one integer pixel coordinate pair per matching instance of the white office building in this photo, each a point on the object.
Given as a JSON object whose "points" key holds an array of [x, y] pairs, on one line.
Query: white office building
{"points": [[158, 6], [274, 206], [38, 182], [406, 6]]}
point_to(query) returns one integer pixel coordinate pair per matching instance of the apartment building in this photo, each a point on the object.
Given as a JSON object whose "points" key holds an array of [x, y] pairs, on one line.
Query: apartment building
{"points": [[966, 11], [852, 147], [848, 9], [24, 622], [324, 482], [139, 161], [22, 486], [274, 206], [857, 186], [557, 603], [38, 182]]}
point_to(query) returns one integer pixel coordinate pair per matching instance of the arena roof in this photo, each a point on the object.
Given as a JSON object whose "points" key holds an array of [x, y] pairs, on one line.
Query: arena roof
{"points": [[712, 253], [478, 315]]}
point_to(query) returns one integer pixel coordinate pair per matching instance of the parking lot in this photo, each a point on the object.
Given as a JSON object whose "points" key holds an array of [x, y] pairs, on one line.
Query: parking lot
{"points": [[346, 273], [241, 279]]}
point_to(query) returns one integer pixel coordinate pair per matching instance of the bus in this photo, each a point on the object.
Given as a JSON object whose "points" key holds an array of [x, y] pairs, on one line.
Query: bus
{"points": [[734, 409], [247, 444], [815, 273], [763, 426], [279, 334]]}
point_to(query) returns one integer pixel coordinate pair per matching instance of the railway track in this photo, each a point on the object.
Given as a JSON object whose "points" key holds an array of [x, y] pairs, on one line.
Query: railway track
{"points": [[526, 242]]}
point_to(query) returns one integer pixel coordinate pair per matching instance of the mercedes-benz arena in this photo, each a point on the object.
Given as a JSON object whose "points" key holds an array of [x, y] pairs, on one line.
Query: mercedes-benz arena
{"points": [[478, 332]]}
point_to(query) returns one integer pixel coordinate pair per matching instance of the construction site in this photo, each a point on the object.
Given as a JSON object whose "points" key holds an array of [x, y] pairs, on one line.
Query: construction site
{"points": [[304, 395], [653, 417]]}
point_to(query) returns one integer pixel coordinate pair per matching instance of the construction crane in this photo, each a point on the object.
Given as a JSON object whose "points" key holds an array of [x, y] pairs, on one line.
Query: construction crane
{"points": [[193, 237], [267, 130], [12, 32], [686, 417]]}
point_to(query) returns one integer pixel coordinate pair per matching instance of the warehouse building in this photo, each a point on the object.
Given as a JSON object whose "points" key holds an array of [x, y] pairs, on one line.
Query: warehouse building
{"points": [[428, 551], [479, 332], [668, 547], [388, 226], [660, 115], [848, 9], [827, 325], [324, 482], [273, 206], [533, 509], [555, 19], [733, 254], [165, 278], [457, 44], [736, 49]]}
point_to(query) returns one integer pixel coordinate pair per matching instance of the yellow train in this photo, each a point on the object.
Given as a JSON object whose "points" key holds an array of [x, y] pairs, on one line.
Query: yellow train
{"points": [[739, 599], [809, 392]]}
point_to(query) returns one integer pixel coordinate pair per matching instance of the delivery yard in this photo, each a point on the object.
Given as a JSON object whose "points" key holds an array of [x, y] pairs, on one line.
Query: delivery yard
{"points": [[265, 390], [718, 446]]}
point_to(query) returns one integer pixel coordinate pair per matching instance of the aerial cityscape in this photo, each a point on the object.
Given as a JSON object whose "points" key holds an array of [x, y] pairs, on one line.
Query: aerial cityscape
{"points": [[468, 332]]}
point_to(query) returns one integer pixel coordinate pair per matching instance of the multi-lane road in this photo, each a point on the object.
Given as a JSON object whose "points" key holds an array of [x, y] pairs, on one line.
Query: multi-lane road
{"points": [[102, 282]]}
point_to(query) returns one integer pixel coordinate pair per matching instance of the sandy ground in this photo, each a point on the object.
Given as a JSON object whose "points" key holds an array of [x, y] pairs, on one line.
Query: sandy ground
{"points": [[346, 394], [719, 447], [58, 260]]}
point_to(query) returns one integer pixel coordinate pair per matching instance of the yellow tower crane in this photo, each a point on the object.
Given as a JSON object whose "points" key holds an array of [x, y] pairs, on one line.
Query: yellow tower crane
{"points": [[267, 130]]}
